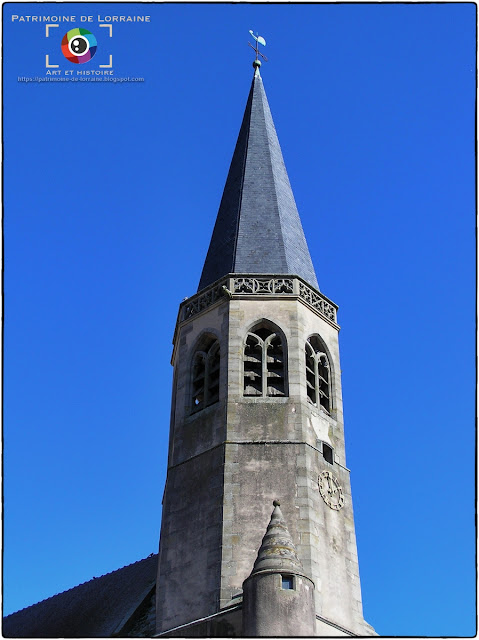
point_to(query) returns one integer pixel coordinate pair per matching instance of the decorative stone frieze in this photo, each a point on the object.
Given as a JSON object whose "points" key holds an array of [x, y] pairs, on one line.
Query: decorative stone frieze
{"points": [[263, 285], [317, 301], [202, 300], [247, 285]]}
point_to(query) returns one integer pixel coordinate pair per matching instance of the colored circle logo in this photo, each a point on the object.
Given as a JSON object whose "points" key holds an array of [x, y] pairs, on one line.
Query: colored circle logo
{"points": [[79, 45]]}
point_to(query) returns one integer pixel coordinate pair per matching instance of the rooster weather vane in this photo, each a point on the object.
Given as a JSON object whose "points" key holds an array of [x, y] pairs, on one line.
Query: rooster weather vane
{"points": [[259, 40]]}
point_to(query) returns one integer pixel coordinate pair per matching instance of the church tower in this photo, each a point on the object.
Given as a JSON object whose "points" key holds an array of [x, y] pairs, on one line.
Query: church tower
{"points": [[257, 417]]}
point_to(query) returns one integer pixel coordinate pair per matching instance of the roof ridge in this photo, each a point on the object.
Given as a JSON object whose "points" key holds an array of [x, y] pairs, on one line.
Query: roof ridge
{"points": [[249, 105], [271, 135], [55, 595]]}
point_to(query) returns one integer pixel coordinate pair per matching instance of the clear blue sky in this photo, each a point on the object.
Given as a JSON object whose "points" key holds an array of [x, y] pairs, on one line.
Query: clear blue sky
{"points": [[111, 192]]}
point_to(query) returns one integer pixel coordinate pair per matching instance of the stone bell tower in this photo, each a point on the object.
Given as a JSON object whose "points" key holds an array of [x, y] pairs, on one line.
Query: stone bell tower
{"points": [[257, 416]]}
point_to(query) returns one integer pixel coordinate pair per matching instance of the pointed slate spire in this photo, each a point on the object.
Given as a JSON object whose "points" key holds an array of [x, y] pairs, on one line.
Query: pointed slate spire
{"points": [[277, 551], [258, 229]]}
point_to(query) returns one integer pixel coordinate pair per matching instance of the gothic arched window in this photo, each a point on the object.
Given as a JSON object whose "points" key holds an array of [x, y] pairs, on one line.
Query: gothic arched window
{"points": [[264, 360], [318, 374], [206, 376]]}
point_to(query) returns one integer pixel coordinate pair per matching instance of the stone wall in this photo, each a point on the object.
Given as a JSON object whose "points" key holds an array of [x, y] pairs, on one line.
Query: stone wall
{"points": [[229, 461]]}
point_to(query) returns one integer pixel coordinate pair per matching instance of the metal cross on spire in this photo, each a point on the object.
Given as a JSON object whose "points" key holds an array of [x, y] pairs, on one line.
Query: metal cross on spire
{"points": [[259, 40]]}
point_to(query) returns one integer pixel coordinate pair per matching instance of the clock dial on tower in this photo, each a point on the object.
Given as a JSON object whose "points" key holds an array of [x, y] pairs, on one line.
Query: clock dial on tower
{"points": [[330, 490]]}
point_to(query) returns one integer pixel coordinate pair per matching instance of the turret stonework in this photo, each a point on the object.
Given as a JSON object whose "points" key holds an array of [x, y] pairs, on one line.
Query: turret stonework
{"points": [[256, 417], [278, 597]]}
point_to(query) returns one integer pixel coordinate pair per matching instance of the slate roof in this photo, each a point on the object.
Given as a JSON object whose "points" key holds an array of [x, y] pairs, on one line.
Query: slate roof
{"points": [[98, 608], [258, 229]]}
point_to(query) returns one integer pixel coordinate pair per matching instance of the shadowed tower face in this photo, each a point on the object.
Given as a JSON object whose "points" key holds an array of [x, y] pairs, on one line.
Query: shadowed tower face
{"points": [[257, 416]]}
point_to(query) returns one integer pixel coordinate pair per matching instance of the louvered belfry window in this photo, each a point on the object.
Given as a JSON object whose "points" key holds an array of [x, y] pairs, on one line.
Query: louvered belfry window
{"points": [[264, 363], [206, 376], [318, 378]]}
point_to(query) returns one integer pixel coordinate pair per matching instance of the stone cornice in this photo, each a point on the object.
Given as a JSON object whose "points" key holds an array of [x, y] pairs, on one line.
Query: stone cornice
{"points": [[250, 442]]}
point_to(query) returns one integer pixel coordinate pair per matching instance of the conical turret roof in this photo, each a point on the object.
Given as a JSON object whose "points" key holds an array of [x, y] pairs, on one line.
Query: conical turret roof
{"points": [[277, 551], [258, 229]]}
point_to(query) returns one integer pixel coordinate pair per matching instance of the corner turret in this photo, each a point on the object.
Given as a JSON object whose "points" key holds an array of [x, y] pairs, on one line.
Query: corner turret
{"points": [[278, 596]]}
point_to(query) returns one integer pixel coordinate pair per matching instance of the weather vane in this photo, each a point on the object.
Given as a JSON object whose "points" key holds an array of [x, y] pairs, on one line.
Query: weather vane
{"points": [[259, 40]]}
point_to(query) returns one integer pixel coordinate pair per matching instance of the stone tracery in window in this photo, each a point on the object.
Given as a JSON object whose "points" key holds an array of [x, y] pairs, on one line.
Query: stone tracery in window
{"points": [[206, 376], [318, 374], [264, 363]]}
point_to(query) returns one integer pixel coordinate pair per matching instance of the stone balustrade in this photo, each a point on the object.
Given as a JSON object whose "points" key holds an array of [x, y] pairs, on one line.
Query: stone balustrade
{"points": [[235, 285]]}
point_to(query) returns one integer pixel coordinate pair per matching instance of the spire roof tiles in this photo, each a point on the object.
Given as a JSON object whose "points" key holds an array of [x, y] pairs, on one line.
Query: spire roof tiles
{"points": [[258, 229]]}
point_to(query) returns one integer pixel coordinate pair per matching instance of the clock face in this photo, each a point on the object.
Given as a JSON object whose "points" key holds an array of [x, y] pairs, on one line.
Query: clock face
{"points": [[330, 490]]}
